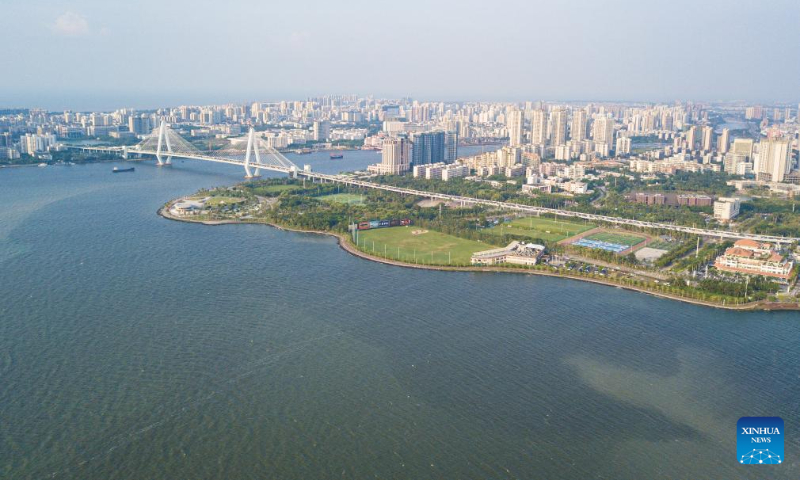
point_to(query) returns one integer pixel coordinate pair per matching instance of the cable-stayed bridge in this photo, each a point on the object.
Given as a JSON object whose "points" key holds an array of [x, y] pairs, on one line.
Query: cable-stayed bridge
{"points": [[252, 153], [164, 143]]}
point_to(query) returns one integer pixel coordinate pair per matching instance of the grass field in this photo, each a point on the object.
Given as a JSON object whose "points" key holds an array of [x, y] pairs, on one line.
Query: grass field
{"points": [[399, 243], [217, 201], [618, 238], [278, 188], [348, 198], [544, 228]]}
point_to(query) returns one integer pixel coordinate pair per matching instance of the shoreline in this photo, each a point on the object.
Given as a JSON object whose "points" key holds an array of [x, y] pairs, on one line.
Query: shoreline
{"points": [[343, 241], [74, 164]]}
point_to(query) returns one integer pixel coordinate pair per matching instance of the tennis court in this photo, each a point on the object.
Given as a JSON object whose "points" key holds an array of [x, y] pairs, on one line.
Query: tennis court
{"points": [[598, 244], [609, 241]]}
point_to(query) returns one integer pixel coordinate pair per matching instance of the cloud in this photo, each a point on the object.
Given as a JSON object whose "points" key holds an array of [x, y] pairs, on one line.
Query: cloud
{"points": [[71, 24]]}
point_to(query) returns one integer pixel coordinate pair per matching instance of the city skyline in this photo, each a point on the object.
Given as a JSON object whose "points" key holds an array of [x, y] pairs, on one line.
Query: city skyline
{"points": [[419, 239], [68, 53]]}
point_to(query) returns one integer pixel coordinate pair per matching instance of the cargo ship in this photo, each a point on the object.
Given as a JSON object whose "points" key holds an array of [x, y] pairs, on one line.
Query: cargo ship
{"points": [[336, 155], [121, 170]]}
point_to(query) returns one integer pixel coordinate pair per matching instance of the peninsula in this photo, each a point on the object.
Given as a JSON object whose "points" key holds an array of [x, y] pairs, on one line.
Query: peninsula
{"points": [[416, 232]]}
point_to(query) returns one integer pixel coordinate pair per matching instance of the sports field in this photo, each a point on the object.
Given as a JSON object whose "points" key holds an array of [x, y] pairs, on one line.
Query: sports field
{"points": [[349, 198], [615, 237], [609, 241], [538, 227], [416, 245]]}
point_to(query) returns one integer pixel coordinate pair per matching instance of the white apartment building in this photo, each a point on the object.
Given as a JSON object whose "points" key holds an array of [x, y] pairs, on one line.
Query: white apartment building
{"points": [[558, 120], [396, 157], [623, 146], [32, 143], [440, 171], [774, 160], [603, 131], [726, 208], [514, 121], [454, 171], [538, 127]]}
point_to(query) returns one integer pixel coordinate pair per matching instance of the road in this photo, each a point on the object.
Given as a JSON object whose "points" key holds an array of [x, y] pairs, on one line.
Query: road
{"points": [[287, 167], [722, 234]]}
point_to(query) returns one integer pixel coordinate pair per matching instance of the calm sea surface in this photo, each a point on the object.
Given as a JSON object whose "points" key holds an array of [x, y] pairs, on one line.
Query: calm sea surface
{"points": [[133, 347]]}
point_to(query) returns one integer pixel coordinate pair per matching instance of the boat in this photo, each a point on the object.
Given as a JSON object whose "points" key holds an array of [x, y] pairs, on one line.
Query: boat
{"points": [[120, 170], [42, 165], [337, 155]]}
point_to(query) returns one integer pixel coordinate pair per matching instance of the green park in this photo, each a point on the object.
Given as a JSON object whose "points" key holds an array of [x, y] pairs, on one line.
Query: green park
{"points": [[416, 245]]}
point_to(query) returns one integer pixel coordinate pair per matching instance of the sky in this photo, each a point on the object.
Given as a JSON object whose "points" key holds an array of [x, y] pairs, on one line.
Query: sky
{"points": [[105, 54]]}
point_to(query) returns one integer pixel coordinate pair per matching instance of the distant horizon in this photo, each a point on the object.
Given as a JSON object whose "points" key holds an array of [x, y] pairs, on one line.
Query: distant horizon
{"points": [[114, 102]]}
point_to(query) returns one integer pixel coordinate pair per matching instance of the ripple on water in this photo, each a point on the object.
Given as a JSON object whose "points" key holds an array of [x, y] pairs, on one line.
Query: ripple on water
{"points": [[135, 347]]}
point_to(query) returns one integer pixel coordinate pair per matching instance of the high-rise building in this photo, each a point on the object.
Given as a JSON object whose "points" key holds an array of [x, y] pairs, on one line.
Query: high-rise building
{"points": [[743, 146], [32, 143], [558, 134], [755, 112], [733, 163], [538, 127], [603, 131], [450, 147], [321, 131], [623, 146], [724, 141], [210, 116], [395, 157], [708, 138], [139, 124], [578, 127], [514, 122], [774, 159], [692, 137], [428, 147]]}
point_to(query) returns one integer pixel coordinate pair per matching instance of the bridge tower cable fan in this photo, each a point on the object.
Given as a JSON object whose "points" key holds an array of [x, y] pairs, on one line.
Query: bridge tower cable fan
{"points": [[163, 138], [252, 147]]}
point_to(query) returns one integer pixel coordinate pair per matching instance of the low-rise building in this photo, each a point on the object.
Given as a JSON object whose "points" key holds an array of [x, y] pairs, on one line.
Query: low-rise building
{"points": [[188, 207], [440, 171], [515, 170], [454, 171], [533, 188], [754, 258], [578, 188], [516, 253], [693, 200]]}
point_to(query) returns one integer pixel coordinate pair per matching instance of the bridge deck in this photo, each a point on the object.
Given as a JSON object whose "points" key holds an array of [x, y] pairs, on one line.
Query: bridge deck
{"points": [[347, 180]]}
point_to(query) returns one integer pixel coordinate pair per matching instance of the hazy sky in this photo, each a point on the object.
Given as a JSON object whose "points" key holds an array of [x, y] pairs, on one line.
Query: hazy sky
{"points": [[84, 54]]}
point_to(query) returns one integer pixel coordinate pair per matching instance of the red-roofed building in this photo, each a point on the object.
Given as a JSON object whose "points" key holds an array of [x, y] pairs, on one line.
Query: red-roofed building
{"points": [[754, 258]]}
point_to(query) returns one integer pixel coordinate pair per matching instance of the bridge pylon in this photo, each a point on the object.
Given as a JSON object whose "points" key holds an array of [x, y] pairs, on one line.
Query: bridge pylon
{"points": [[252, 148], [163, 139]]}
